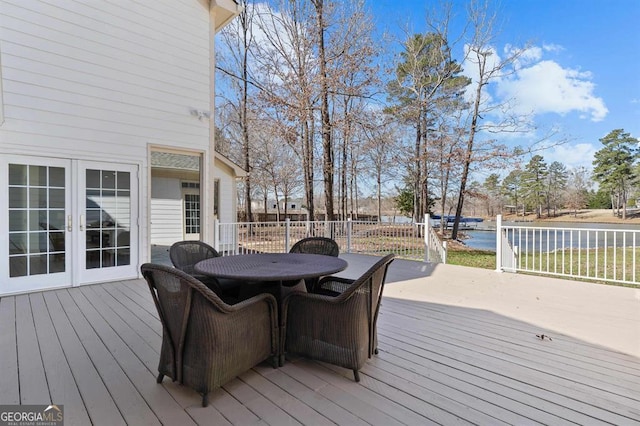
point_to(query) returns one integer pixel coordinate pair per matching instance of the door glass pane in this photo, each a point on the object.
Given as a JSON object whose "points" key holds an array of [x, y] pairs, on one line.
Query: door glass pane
{"points": [[36, 220], [18, 197], [108, 209], [18, 266], [17, 174], [18, 220], [108, 179], [56, 177], [124, 180], [93, 178], [37, 198], [192, 213], [38, 242], [38, 265], [56, 198], [37, 176], [56, 219], [18, 243], [56, 262]]}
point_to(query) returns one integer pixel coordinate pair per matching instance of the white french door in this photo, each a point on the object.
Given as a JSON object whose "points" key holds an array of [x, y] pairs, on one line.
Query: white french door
{"points": [[36, 239], [68, 222], [107, 221]]}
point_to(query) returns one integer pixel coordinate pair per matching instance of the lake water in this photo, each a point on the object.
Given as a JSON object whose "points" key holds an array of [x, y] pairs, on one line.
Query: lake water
{"points": [[486, 239]]}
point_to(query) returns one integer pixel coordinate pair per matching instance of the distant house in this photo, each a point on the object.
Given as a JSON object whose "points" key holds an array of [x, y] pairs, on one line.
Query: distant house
{"points": [[294, 209], [106, 112]]}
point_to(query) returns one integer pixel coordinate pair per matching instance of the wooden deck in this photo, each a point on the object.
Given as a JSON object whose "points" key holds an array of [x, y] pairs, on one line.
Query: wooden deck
{"points": [[95, 349]]}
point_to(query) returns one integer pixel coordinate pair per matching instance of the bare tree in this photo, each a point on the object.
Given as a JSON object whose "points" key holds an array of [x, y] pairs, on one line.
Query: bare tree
{"points": [[424, 74], [481, 55], [577, 191], [288, 69], [238, 40], [380, 135]]}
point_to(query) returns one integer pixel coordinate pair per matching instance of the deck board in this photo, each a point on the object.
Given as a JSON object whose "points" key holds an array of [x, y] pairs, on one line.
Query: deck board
{"points": [[10, 383], [299, 411], [33, 381], [97, 399], [522, 343], [95, 349], [131, 405], [60, 380], [120, 339], [535, 362]]}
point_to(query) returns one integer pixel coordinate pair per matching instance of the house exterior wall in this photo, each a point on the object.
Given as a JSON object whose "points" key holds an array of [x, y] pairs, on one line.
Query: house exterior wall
{"points": [[228, 202], [166, 211], [99, 80], [108, 81]]}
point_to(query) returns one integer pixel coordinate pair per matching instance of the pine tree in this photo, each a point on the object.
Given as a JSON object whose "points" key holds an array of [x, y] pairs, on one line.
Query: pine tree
{"points": [[534, 183], [614, 167]]}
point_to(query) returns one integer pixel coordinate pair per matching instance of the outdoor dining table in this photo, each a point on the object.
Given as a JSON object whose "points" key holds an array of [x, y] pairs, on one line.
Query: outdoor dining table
{"points": [[271, 267]]}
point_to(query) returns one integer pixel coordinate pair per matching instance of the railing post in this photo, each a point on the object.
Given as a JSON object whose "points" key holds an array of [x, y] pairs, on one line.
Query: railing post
{"points": [[349, 228], [499, 243], [216, 234], [287, 235], [326, 227], [444, 252], [427, 234]]}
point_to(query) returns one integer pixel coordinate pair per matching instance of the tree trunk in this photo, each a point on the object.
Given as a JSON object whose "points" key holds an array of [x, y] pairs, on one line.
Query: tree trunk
{"points": [[468, 153], [307, 165], [379, 194], [425, 171], [244, 119], [327, 147], [418, 176], [275, 191]]}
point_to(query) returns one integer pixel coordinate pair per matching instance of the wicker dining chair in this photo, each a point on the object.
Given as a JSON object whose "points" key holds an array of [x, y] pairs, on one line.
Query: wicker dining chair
{"points": [[185, 254], [205, 342], [339, 329], [315, 245]]}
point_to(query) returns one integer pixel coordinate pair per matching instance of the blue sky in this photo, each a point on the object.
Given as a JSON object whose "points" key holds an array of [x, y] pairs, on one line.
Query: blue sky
{"points": [[582, 76]]}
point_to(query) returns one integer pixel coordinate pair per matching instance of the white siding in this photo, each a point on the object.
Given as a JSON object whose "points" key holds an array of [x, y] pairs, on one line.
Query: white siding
{"points": [[166, 211], [96, 79], [227, 209], [104, 80]]}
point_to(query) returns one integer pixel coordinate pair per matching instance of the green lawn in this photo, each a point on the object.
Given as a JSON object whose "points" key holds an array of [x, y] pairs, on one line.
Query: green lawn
{"points": [[586, 263], [476, 258]]}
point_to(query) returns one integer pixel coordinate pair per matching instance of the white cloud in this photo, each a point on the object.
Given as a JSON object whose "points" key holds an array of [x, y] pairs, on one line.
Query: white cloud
{"points": [[546, 87], [555, 48], [571, 155], [537, 85]]}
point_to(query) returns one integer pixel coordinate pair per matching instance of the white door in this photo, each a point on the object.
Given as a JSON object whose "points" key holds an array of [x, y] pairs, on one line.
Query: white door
{"points": [[68, 222], [35, 230], [108, 221], [191, 210]]}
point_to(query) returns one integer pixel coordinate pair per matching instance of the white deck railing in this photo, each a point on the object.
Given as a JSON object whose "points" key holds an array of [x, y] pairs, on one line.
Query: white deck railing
{"points": [[584, 253], [406, 240]]}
